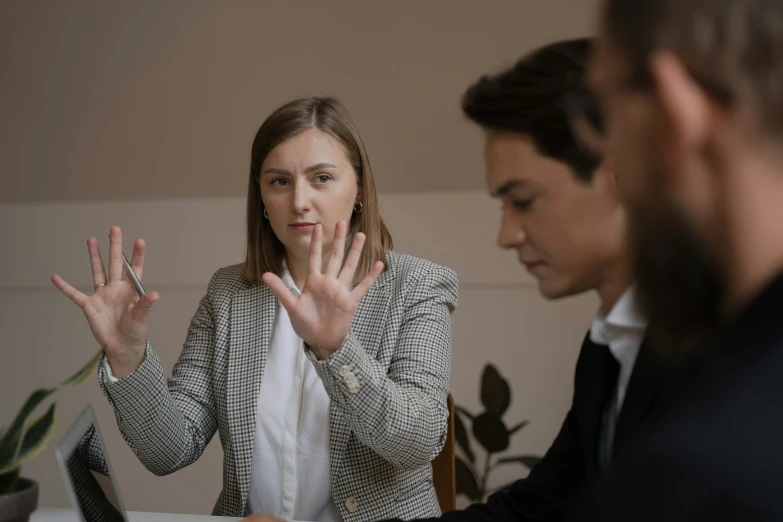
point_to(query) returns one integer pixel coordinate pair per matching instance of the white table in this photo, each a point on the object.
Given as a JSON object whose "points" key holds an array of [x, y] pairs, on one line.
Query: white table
{"points": [[43, 514]]}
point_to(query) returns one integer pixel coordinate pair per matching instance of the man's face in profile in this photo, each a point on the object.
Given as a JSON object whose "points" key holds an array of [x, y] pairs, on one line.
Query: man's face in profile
{"points": [[568, 233]]}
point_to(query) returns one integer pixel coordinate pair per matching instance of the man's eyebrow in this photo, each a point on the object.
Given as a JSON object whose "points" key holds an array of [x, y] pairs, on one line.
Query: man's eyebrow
{"points": [[508, 187]]}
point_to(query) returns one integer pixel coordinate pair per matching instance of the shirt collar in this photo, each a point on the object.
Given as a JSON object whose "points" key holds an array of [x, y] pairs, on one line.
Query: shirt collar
{"points": [[627, 312], [289, 281], [625, 317]]}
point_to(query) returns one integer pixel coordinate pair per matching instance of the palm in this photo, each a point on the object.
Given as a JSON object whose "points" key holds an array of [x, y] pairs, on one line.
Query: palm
{"points": [[116, 315], [109, 315], [322, 314], [324, 311]]}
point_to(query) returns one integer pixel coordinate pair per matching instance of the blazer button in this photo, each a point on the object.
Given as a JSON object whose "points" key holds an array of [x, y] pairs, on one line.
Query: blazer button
{"points": [[351, 381], [345, 370], [351, 505]]}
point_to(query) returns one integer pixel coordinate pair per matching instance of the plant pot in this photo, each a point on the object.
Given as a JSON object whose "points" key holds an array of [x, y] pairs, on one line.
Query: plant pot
{"points": [[17, 506]]}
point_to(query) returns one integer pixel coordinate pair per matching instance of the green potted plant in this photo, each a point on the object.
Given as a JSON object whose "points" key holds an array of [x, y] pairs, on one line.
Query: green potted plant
{"points": [[21, 441], [490, 431]]}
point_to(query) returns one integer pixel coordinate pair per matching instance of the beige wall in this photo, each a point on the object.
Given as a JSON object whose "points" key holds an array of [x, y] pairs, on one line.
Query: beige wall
{"points": [[162, 97], [141, 114]]}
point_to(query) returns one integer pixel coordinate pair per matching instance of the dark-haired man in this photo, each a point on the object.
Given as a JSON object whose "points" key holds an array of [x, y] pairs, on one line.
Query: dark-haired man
{"points": [[563, 216]]}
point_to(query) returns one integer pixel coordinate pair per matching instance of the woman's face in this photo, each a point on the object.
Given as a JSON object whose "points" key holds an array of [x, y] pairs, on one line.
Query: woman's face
{"points": [[307, 180]]}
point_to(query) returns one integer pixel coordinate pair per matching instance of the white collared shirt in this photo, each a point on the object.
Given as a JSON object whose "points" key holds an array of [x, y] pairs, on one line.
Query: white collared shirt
{"points": [[623, 330], [291, 474]]}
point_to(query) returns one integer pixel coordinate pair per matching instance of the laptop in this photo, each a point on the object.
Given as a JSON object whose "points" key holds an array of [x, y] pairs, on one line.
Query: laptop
{"points": [[87, 472]]}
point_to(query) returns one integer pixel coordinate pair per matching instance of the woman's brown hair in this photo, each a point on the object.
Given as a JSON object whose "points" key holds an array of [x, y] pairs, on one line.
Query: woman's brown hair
{"points": [[265, 252]]}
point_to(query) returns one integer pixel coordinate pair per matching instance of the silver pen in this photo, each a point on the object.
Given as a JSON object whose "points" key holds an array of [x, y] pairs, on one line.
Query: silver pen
{"points": [[132, 276]]}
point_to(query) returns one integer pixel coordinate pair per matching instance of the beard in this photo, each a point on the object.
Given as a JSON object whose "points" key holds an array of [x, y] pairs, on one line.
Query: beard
{"points": [[681, 286]]}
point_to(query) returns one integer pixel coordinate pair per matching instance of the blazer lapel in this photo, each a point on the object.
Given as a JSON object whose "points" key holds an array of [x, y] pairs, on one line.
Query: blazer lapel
{"points": [[252, 318], [367, 325], [598, 381], [644, 388]]}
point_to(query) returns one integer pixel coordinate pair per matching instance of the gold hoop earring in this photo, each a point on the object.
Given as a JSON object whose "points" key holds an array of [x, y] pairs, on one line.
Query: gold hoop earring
{"points": [[358, 208], [266, 215]]}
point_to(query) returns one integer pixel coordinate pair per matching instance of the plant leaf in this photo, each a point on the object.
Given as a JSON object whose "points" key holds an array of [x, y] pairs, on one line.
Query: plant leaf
{"points": [[463, 411], [517, 427], [506, 397], [8, 481], [461, 435], [35, 439], [11, 440], [466, 481], [490, 432], [82, 375], [495, 391], [527, 460]]}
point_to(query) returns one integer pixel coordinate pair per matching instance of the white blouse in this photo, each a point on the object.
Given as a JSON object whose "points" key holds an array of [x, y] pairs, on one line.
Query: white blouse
{"points": [[291, 475]]}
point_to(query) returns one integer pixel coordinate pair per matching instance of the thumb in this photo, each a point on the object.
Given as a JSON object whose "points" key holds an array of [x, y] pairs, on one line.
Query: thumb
{"points": [[141, 310], [281, 291]]}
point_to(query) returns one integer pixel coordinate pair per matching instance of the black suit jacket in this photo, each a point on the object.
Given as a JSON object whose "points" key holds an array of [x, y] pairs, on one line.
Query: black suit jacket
{"points": [[717, 452], [572, 460]]}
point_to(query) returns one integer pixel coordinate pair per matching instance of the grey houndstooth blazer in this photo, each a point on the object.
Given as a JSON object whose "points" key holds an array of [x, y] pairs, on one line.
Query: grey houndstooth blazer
{"points": [[382, 436]]}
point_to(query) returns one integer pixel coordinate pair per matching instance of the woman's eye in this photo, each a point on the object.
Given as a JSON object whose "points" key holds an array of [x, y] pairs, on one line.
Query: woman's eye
{"points": [[322, 178], [280, 182]]}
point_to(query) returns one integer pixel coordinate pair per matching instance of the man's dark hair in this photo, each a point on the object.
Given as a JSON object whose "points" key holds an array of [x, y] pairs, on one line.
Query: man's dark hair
{"points": [[532, 98]]}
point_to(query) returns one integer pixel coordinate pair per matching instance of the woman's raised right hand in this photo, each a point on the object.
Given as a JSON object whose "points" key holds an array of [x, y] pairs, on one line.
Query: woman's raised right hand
{"points": [[117, 316]]}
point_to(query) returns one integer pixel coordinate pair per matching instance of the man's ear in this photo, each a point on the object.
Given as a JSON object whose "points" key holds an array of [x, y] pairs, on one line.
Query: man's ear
{"points": [[609, 165], [608, 171], [685, 106]]}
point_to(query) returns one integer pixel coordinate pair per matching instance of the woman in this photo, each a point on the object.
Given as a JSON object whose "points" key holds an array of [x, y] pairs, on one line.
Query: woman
{"points": [[329, 407]]}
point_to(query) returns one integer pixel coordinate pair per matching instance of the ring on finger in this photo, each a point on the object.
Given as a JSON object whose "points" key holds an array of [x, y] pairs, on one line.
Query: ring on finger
{"points": [[98, 286]]}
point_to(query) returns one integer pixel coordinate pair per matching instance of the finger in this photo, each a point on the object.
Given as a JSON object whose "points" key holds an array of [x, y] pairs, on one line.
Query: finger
{"points": [[362, 288], [115, 254], [96, 262], [137, 259], [69, 291], [140, 310], [352, 261], [314, 265], [281, 290], [338, 249]]}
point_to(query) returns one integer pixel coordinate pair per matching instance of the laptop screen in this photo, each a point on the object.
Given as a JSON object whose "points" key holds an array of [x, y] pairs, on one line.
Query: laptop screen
{"points": [[89, 480]]}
